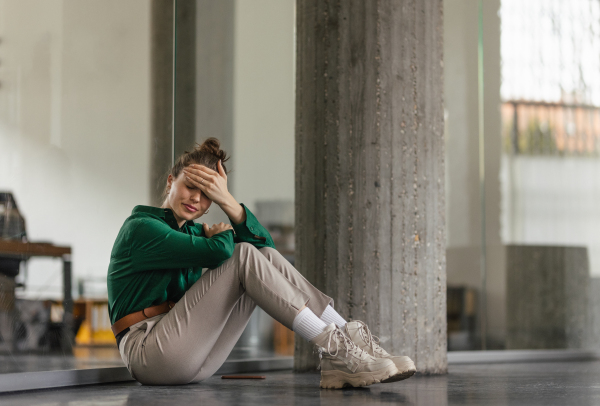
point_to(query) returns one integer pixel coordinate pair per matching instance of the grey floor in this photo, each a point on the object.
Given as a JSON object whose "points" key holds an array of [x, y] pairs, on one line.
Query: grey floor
{"points": [[543, 383]]}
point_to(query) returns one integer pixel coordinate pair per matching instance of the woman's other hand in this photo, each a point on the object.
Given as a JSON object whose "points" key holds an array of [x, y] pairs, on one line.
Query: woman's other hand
{"points": [[216, 229], [212, 184]]}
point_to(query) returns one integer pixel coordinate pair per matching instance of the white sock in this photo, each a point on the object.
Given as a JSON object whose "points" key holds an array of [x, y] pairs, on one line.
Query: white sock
{"points": [[331, 316], [308, 325]]}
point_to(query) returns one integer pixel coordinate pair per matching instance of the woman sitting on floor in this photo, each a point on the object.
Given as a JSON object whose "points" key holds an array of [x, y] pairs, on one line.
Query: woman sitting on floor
{"points": [[176, 325]]}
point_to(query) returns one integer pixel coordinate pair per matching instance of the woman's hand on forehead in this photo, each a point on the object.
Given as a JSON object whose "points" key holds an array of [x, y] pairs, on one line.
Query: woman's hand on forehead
{"points": [[212, 183], [202, 168]]}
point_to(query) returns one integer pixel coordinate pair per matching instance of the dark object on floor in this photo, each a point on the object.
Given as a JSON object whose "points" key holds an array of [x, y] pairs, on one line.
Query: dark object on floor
{"points": [[243, 377], [462, 318]]}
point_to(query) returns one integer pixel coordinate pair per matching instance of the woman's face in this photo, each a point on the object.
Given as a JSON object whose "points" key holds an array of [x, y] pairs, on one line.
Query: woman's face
{"points": [[187, 201]]}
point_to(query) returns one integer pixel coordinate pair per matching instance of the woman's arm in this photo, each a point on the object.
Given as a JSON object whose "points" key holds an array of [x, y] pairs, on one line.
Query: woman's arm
{"points": [[251, 231], [234, 210], [154, 245]]}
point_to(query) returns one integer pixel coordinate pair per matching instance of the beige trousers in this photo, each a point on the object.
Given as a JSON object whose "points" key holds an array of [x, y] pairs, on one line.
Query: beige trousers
{"points": [[192, 341]]}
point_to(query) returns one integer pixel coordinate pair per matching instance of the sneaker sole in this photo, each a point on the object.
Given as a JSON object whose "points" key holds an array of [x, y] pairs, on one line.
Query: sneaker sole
{"points": [[399, 377], [339, 379]]}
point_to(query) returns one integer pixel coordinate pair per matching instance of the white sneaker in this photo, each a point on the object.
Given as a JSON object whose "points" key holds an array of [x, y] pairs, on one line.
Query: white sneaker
{"points": [[343, 363], [361, 335]]}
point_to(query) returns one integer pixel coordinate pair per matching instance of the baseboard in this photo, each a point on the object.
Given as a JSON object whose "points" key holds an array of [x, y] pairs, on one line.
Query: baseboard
{"points": [[513, 356]]}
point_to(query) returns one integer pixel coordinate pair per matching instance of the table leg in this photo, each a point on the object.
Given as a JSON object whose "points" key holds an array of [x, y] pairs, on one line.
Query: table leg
{"points": [[67, 338]]}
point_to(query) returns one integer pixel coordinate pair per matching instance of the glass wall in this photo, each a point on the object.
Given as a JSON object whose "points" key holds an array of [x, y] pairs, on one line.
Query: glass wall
{"points": [[549, 172], [522, 90], [75, 120]]}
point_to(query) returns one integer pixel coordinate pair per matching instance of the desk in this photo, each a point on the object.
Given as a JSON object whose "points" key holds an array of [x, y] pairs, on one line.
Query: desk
{"points": [[25, 250]]}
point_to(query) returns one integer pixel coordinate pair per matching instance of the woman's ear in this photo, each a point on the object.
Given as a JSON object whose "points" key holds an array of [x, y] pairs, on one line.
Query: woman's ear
{"points": [[169, 184]]}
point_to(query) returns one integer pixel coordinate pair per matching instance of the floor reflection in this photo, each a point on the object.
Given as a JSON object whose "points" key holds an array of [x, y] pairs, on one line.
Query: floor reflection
{"points": [[364, 396], [82, 358], [94, 357]]}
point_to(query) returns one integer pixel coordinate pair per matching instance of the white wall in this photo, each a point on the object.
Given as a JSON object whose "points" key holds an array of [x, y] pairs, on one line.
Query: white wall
{"points": [[74, 124], [264, 99]]}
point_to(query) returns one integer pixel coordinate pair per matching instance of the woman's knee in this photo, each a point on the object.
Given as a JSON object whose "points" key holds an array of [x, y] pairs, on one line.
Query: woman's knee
{"points": [[268, 250], [244, 249], [271, 254]]}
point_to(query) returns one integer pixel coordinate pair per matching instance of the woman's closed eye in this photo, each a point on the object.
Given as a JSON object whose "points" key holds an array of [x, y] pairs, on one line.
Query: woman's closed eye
{"points": [[190, 187]]}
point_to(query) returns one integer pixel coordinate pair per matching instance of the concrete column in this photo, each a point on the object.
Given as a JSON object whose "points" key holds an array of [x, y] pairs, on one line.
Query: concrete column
{"points": [[185, 76], [170, 70], [370, 205], [214, 73], [592, 335], [547, 297], [214, 79], [161, 61]]}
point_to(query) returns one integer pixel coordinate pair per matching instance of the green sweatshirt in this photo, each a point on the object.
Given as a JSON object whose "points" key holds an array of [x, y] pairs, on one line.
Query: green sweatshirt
{"points": [[153, 260]]}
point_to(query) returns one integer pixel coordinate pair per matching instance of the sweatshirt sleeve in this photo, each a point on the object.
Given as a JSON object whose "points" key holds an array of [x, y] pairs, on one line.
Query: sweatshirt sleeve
{"points": [[155, 245], [251, 231]]}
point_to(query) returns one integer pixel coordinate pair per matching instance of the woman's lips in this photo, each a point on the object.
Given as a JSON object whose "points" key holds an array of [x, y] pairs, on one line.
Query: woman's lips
{"points": [[191, 208]]}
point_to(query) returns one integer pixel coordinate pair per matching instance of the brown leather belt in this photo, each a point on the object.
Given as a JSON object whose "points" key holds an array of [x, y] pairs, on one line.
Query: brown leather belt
{"points": [[136, 317]]}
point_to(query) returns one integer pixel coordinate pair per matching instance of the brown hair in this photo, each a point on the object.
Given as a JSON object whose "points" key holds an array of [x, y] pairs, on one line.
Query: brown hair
{"points": [[208, 154]]}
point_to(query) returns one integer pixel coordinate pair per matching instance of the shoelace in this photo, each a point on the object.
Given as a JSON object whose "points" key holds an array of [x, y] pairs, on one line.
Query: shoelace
{"points": [[370, 339], [351, 348]]}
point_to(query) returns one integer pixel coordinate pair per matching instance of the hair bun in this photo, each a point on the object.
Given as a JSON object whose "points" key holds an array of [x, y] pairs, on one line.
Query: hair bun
{"points": [[212, 146]]}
